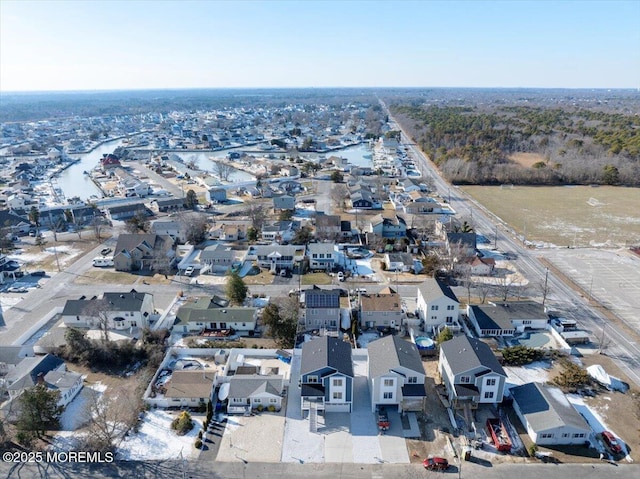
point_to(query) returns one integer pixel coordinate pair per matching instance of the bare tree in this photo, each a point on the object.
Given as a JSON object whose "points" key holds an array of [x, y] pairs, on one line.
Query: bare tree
{"points": [[99, 310], [505, 286], [98, 224], [256, 213], [483, 291], [195, 226], [338, 195], [222, 169]]}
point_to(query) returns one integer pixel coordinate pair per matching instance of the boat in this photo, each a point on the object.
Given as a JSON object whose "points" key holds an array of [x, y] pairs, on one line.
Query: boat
{"points": [[499, 435], [85, 172]]}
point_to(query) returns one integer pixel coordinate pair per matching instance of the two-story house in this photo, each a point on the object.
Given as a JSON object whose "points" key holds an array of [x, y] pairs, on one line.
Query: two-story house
{"points": [[217, 258], [381, 310], [322, 308], [321, 256], [280, 231], [470, 372], [326, 376], [143, 251], [119, 311], [437, 305], [174, 229], [396, 375], [328, 227], [388, 226], [275, 257]]}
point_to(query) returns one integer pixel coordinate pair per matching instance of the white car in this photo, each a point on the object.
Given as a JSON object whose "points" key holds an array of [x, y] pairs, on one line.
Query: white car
{"points": [[189, 271], [340, 276]]}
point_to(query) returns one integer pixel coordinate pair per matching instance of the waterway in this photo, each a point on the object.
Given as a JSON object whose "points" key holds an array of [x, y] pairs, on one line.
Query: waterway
{"points": [[74, 182]]}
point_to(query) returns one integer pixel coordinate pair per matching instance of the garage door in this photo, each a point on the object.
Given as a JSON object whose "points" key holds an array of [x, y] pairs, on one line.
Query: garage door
{"points": [[337, 407]]}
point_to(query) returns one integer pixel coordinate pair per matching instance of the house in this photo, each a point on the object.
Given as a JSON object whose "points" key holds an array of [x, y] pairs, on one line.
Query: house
{"points": [[125, 212], [228, 232], [437, 305], [322, 308], [280, 231], [328, 227], [143, 251], [381, 310], [275, 257], [48, 370], [402, 262], [362, 199], [388, 226], [470, 372], [326, 376], [10, 357], [109, 162], [475, 266], [206, 316], [218, 258], [166, 205], [284, 202], [321, 256], [120, 311], [217, 195], [188, 388], [461, 245], [507, 318], [173, 229], [396, 375], [407, 186], [548, 416], [250, 391]]}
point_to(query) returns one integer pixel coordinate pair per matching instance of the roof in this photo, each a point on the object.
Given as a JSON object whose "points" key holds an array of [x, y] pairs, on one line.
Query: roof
{"points": [[322, 298], [465, 239], [328, 221], [464, 354], [190, 384], [404, 258], [131, 301], [266, 250], [217, 251], [326, 352], [546, 407], [188, 313], [432, 289], [502, 315], [380, 302], [26, 372], [390, 352], [11, 354], [129, 242], [321, 248], [61, 379], [245, 386]]}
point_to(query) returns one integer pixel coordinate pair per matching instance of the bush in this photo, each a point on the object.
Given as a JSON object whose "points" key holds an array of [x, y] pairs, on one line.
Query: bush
{"points": [[271, 408], [533, 449], [260, 408], [573, 377], [182, 424], [521, 355], [205, 423], [200, 434], [198, 444]]}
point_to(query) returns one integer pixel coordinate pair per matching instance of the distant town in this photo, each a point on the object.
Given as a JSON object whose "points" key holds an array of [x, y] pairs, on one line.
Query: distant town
{"points": [[292, 280]]}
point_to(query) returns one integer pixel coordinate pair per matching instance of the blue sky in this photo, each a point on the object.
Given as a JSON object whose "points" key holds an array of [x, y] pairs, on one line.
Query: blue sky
{"points": [[88, 45]]}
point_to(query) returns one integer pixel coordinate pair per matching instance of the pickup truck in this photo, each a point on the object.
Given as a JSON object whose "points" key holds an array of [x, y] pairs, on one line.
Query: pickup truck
{"points": [[383, 420]]}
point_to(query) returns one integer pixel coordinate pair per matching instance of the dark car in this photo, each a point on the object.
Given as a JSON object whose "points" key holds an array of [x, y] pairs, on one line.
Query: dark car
{"points": [[436, 464], [611, 441], [105, 251], [38, 273]]}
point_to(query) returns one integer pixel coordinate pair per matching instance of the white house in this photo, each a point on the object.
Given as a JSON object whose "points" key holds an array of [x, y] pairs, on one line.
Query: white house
{"points": [[321, 256], [470, 372], [251, 391], [507, 318], [437, 305], [396, 375], [169, 228], [548, 416]]}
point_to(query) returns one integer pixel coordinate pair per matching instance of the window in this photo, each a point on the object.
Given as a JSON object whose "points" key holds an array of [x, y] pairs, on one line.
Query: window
{"points": [[273, 400], [434, 317], [449, 319], [581, 434], [465, 379], [312, 379], [450, 307], [337, 395], [257, 400], [566, 434], [546, 435], [526, 322], [488, 395], [388, 395], [388, 383], [337, 383], [412, 380], [434, 307], [491, 382]]}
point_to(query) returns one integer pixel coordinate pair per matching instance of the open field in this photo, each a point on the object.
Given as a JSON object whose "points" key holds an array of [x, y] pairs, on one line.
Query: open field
{"points": [[527, 159], [566, 215]]}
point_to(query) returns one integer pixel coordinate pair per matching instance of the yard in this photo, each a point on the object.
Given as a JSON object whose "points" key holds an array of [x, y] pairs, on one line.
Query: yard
{"points": [[316, 278], [566, 215]]}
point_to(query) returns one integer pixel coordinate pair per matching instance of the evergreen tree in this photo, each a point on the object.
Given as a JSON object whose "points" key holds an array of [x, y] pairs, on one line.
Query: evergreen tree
{"points": [[236, 289]]}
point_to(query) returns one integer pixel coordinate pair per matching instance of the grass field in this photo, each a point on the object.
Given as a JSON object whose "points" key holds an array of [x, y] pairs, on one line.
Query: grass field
{"points": [[566, 215]]}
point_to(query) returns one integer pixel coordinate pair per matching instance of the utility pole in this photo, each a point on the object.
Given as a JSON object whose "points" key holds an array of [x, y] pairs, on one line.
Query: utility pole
{"points": [[495, 244], [544, 291]]}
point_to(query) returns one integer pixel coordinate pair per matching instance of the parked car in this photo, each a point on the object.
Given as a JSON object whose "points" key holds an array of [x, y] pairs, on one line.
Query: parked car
{"points": [[436, 464], [17, 289], [340, 276], [38, 273], [189, 271], [611, 441], [105, 251]]}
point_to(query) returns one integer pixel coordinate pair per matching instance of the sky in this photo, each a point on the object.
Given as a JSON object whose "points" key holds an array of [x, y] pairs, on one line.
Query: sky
{"points": [[115, 45]]}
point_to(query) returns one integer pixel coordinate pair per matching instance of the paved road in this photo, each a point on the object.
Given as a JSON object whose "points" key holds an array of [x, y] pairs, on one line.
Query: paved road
{"points": [[561, 297], [242, 470]]}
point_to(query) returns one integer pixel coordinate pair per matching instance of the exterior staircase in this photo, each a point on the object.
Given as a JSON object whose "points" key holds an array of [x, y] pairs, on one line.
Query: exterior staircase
{"points": [[313, 417]]}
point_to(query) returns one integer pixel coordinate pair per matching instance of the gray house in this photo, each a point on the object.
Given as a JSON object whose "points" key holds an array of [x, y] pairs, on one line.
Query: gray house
{"points": [[285, 202], [396, 375], [470, 372], [322, 308], [326, 376], [250, 391], [548, 416], [218, 258]]}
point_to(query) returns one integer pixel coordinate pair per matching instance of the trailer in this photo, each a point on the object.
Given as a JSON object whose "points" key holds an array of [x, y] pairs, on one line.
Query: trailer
{"points": [[499, 435]]}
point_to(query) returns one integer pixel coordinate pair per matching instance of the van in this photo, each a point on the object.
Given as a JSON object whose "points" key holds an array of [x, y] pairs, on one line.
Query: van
{"points": [[102, 262]]}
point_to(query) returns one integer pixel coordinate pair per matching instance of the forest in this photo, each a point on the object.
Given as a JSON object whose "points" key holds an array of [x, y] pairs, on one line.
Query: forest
{"points": [[477, 143]]}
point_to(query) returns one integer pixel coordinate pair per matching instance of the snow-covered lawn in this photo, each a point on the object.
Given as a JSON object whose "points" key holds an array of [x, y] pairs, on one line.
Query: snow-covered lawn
{"points": [[156, 441], [75, 414], [538, 371]]}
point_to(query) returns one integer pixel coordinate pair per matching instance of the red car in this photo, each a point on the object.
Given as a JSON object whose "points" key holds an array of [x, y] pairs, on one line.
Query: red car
{"points": [[611, 441], [436, 464]]}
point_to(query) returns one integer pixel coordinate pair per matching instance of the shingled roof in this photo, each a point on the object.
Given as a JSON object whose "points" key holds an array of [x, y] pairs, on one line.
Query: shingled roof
{"points": [[390, 352], [464, 354], [326, 352]]}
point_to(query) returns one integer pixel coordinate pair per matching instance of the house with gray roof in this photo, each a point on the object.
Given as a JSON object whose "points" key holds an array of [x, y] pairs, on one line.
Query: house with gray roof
{"points": [[284, 202], [470, 372], [437, 305], [280, 231], [188, 388], [250, 391], [465, 243], [326, 376], [10, 357], [507, 318], [143, 251], [218, 258], [322, 308], [174, 229], [275, 257], [396, 375], [203, 316], [548, 416], [321, 256], [120, 311]]}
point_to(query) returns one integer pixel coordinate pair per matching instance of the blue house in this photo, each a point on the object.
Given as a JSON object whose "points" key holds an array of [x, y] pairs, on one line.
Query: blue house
{"points": [[326, 376]]}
